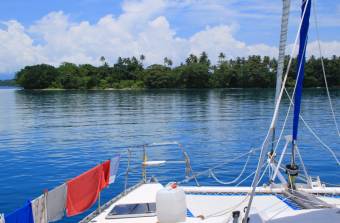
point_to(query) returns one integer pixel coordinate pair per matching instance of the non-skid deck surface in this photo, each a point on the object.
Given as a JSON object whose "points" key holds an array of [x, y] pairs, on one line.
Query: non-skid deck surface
{"points": [[331, 200], [217, 207]]}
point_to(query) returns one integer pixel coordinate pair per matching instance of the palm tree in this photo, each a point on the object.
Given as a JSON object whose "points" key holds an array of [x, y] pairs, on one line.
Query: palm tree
{"points": [[221, 57], [102, 59], [167, 62], [142, 58], [191, 59], [204, 59], [170, 62]]}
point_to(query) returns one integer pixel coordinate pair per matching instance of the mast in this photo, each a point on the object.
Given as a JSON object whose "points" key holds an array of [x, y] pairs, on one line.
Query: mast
{"points": [[292, 168], [264, 146], [281, 58]]}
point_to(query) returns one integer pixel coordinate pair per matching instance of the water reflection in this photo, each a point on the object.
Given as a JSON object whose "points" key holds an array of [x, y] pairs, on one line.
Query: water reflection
{"points": [[47, 137]]}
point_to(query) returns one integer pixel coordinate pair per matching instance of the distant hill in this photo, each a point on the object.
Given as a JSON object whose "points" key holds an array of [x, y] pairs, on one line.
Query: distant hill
{"points": [[6, 76], [7, 83]]}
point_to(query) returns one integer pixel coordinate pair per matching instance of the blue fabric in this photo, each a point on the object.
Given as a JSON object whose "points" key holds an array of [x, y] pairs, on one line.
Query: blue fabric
{"points": [[301, 66], [189, 214], [22, 215]]}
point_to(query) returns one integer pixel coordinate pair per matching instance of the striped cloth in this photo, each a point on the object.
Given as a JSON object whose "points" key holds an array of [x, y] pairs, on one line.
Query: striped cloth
{"points": [[2, 218], [39, 210]]}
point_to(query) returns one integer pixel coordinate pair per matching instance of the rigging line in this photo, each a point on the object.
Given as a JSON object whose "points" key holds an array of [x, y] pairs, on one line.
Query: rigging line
{"points": [[314, 133], [323, 67], [300, 176], [277, 106], [303, 166], [294, 91], [206, 172], [336, 185], [236, 179], [302, 199], [264, 172], [290, 105], [276, 204], [228, 210], [248, 176]]}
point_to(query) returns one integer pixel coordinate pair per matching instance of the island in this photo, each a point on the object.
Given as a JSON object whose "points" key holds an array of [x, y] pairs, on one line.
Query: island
{"points": [[196, 72], [7, 83]]}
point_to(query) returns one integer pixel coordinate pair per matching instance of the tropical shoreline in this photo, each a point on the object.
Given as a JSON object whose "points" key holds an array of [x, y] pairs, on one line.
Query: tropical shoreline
{"points": [[197, 72]]}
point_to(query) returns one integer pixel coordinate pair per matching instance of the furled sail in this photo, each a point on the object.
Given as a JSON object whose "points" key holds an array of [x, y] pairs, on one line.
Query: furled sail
{"points": [[281, 59], [301, 65], [292, 169]]}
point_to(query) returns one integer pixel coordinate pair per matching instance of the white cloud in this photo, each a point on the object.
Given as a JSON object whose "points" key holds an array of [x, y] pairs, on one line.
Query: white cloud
{"points": [[17, 48], [328, 48], [142, 28], [158, 40]]}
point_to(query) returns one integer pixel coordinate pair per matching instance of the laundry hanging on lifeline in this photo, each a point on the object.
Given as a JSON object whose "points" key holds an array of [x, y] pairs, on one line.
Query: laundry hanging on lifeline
{"points": [[83, 191]]}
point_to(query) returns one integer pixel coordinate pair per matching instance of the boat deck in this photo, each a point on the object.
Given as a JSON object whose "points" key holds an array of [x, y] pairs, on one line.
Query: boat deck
{"points": [[215, 204]]}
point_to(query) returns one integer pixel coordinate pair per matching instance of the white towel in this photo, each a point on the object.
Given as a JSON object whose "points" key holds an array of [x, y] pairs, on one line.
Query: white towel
{"points": [[56, 203], [39, 210], [114, 164], [2, 218]]}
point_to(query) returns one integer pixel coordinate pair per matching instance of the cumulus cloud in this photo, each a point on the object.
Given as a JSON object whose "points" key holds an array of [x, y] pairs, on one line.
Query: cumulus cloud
{"points": [[328, 49], [141, 28], [17, 48]]}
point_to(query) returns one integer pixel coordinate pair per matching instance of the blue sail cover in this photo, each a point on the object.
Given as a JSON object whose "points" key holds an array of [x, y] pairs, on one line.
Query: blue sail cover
{"points": [[301, 65]]}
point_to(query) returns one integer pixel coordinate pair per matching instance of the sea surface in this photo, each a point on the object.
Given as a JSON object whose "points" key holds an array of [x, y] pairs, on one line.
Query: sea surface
{"points": [[48, 137]]}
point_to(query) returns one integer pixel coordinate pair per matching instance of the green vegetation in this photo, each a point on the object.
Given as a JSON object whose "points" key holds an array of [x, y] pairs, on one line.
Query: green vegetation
{"points": [[196, 72], [7, 83]]}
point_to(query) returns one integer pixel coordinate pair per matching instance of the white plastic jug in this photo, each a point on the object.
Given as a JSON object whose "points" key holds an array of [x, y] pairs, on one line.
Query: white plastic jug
{"points": [[171, 205]]}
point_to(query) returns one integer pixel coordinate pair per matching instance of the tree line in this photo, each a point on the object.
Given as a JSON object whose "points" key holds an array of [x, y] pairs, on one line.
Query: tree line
{"points": [[196, 72], [7, 83]]}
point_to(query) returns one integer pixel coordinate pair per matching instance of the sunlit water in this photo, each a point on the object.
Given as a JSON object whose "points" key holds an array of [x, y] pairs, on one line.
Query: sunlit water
{"points": [[48, 137]]}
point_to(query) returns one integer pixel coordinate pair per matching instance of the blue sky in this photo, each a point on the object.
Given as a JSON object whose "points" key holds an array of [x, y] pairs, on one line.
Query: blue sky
{"points": [[79, 31]]}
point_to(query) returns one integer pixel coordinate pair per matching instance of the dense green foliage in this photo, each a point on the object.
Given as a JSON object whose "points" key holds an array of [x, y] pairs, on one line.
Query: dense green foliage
{"points": [[196, 72]]}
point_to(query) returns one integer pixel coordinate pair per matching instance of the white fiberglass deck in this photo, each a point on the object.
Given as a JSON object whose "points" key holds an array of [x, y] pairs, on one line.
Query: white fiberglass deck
{"points": [[216, 203]]}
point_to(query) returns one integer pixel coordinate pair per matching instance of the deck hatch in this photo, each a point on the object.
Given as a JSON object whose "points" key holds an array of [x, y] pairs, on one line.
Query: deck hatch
{"points": [[132, 211]]}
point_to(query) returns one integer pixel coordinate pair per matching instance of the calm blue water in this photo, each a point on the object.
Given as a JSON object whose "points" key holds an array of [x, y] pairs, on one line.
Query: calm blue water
{"points": [[47, 137]]}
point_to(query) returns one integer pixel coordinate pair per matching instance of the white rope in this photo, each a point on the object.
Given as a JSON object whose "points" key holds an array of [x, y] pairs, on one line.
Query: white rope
{"points": [[336, 185], [277, 106], [314, 134], [236, 179], [290, 104], [249, 176], [303, 165], [230, 209], [300, 176], [323, 67], [207, 172], [275, 204], [264, 172], [302, 199], [276, 170]]}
